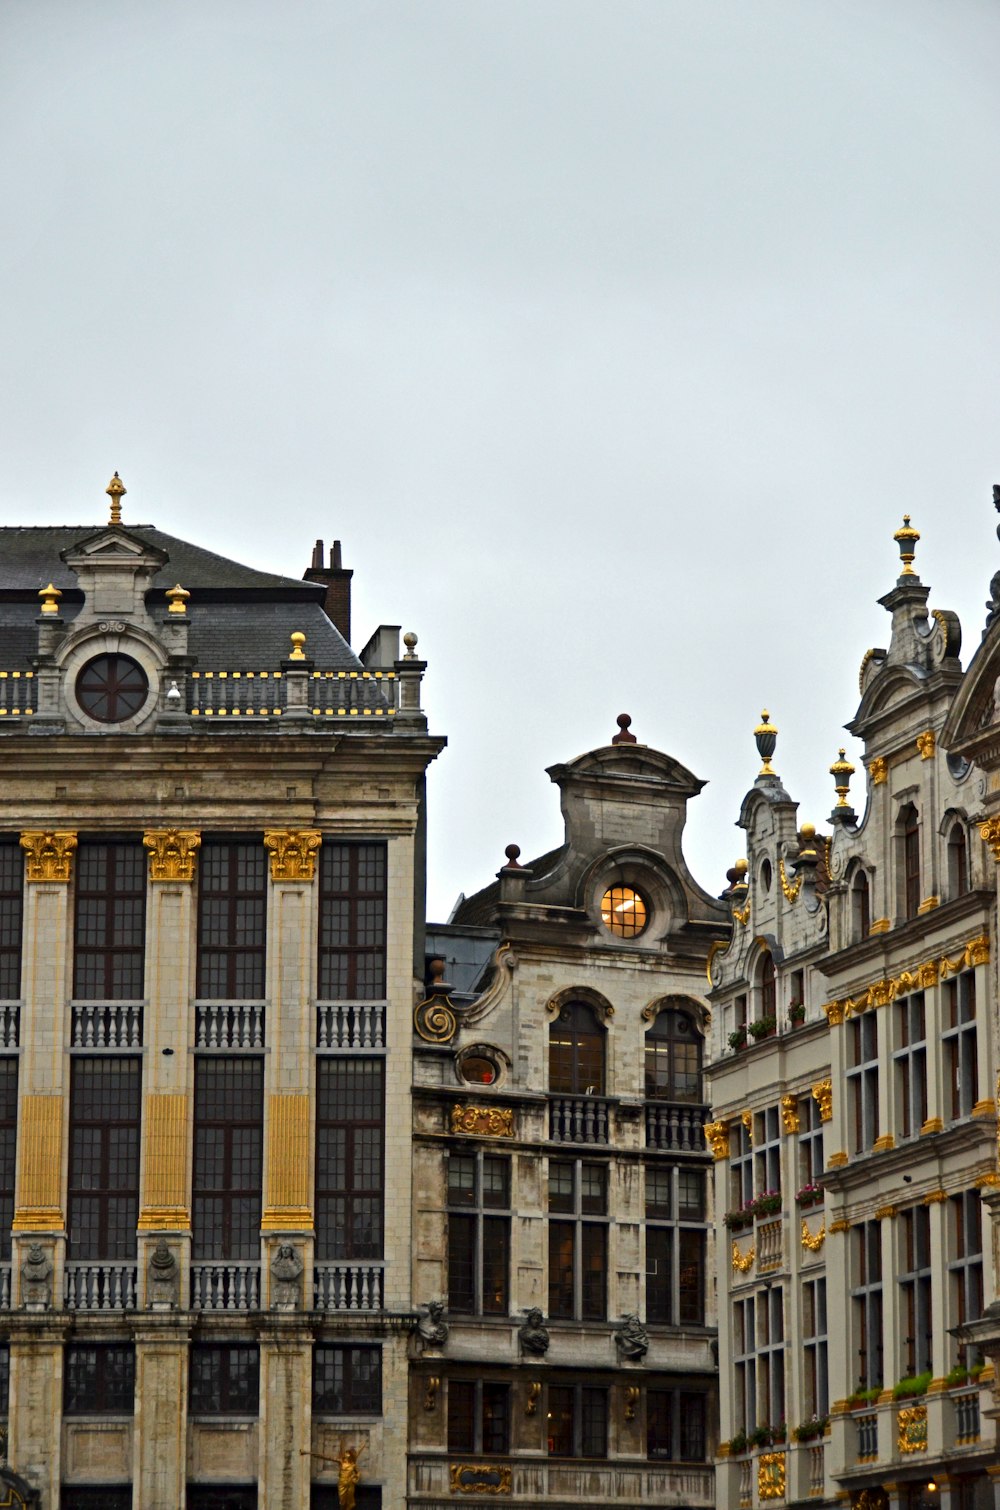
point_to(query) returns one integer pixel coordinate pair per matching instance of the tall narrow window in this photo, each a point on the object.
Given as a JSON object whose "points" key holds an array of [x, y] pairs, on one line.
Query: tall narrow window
{"points": [[350, 1101], [961, 1057], [228, 1140], [767, 1152], [810, 1141], [908, 829], [814, 1348], [862, 1080], [578, 1245], [866, 1302], [915, 1289], [675, 1246], [11, 908], [110, 927], [576, 1052], [965, 1266], [104, 1111], [768, 991], [861, 913], [910, 1060], [478, 1416], [478, 1232], [675, 1426], [771, 1356], [745, 1362], [352, 922], [740, 1167], [8, 1150], [232, 920], [673, 1058], [958, 861]]}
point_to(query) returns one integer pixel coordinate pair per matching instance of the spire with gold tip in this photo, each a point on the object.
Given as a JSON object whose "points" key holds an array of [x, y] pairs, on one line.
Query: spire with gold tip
{"points": [[766, 736], [906, 538], [116, 492]]}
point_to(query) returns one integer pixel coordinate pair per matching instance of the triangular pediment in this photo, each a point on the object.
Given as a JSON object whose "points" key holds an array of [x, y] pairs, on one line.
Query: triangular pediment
{"points": [[114, 541]]}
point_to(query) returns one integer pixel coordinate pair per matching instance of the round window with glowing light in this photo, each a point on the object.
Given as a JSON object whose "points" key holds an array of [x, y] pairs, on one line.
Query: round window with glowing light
{"points": [[624, 912]]}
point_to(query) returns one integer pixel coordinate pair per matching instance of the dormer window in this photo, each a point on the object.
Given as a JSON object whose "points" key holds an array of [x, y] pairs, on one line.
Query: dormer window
{"points": [[112, 688]]}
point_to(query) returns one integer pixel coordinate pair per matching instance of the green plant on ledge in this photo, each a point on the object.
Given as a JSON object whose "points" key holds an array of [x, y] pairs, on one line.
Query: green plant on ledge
{"points": [[864, 1397], [738, 1039], [797, 1012], [762, 1027], [913, 1384], [807, 1431], [738, 1444], [957, 1375]]}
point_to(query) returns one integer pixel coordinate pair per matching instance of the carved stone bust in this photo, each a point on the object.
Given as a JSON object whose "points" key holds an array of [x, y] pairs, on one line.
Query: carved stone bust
{"points": [[631, 1338], [432, 1329], [164, 1278], [36, 1279], [533, 1333], [286, 1278]]}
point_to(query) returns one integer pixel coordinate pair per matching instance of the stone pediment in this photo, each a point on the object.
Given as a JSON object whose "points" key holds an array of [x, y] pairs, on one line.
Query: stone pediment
{"points": [[973, 725], [114, 541], [629, 764]]}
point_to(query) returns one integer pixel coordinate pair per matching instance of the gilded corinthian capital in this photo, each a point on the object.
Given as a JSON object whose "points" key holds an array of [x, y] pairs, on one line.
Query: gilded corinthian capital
{"points": [[293, 853], [171, 853], [50, 854]]}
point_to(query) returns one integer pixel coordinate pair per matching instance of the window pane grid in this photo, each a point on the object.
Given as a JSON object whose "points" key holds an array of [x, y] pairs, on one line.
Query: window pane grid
{"points": [[104, 1157], [352, 922], [110, 922], [232, 921], [228, 1144], [349, 1158]]}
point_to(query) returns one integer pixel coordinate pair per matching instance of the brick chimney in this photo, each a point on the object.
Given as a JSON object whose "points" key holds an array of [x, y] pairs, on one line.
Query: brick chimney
{"points": [[338, 586]]}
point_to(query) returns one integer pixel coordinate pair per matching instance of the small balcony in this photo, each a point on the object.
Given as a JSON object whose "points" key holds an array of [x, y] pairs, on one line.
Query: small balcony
{"points": [[225, 1287], [100, 1287], [107, 1025], [676, 1128], [350, 1025], [229, 1025], [347, 1287], [579, 1119]]}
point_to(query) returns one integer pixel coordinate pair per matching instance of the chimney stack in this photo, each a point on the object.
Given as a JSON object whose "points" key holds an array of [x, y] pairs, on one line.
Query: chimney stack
{"points": [[338, 586]]}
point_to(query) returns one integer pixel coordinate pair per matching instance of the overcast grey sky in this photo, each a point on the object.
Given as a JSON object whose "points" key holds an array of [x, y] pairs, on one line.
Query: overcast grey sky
{"points": [[612, 340]]}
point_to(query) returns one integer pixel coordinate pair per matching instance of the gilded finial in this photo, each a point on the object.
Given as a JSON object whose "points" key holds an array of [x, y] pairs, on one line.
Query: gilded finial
{"points": [[410, 641], [116, 492], [906, 538], [298, 639], [766, 736], [841, 771], [177, 597], [50, 599]]}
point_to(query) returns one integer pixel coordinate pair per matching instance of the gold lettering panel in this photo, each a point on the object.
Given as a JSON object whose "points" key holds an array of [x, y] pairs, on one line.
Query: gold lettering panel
{"points": [[49, 854], [166, 1164], [39, 1207], [288, 1165], [293, 853], [171, 853]]}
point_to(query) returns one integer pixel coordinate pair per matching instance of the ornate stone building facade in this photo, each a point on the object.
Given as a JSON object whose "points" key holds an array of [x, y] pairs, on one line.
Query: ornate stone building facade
{"points": [[211, 903], [853, 1075], [561, 1209]]}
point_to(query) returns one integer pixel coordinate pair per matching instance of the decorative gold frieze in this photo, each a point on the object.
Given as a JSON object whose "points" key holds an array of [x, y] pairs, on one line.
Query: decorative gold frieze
{"points": [[790, 889], [293, 853], [987, 1181], [288, 1165], [911, 1429], [483, 1121], [746, 1118], [925, 744], [884, 1143], [743, 1262], [921, 978], [878, 769], [977, 951], [771, 1476], [840, 1225], [813, 1241], [479, 1478], [935, 1197], [50, 854], [989, 832], [171, 853], [39, 1185], [165, 1194], [434, 1021], [717, 1138], [885, 1213], [790, 1114], [822, 1093]]}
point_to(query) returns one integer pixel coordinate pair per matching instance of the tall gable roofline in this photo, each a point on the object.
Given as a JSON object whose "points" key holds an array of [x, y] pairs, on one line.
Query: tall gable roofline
{"points": [[629, 764]]}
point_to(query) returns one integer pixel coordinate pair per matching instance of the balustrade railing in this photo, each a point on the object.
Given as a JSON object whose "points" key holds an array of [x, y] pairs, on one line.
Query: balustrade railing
{"points": [[10, 1024], [746, 1482], [225, 1287], [676, 1128], [867, 1430], [769, 1246], [17, 693], [107, 1025], [4, 1287], [817, 1481], [100, 1287], [966, 1405], [347, 1287], [263, 694], [354, 1025], [578, 1119], [229, 1025]]}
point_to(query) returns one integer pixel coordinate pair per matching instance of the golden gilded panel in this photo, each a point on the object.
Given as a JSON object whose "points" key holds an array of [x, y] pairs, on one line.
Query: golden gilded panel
{"points": [[911, 1429], [171, 853], [40, 1158], [49, 854], [293, 853], [479, 1478], [717, 1138], [771, 1476], [166, 1164], [484, 1121], [288, 1165]]}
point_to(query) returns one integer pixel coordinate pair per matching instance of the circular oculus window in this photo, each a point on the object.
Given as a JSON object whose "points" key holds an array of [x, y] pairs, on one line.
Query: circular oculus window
{"points": [[624, 912], [112, 688], [476, 1069]]}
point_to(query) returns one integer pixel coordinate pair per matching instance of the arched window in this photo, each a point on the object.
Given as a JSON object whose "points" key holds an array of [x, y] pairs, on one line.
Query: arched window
{"points": [[673, 1058], [908, 829], [576, 1052], [861, 913], [768, 998], [958, 862]]}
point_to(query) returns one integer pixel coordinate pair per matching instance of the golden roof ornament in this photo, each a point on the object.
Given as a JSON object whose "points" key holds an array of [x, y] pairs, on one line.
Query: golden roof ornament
{"points": [[50, 599], [841, 771], [766, 736], [298, 639], [906, 538], [177, 597], [116, 491]]}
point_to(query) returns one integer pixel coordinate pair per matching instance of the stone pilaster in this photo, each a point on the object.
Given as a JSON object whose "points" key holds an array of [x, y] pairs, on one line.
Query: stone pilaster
{"points": [[285, 1437], [161, 1394], [36, 1391]]}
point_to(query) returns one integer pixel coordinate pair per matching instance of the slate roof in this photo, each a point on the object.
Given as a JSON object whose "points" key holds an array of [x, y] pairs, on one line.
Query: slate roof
{"points": [[480, 909], [240, 617]]}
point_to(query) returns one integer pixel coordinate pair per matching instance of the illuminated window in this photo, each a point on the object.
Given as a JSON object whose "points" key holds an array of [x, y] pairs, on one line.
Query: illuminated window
{"points": [[623, 912], [476, 1069]]}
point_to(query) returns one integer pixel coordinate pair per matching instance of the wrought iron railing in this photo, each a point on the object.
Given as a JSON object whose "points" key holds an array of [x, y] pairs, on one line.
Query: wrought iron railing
{"points": [[107, 1025], [347, 1287], [229, 1025], [678, 1129], [578, 1119], [225, 1287], [100, 1286], [350, 1025]]}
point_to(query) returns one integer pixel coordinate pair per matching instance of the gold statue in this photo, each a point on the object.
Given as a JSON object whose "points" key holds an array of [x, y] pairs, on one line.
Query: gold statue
{"points": [[350, 1477]]}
